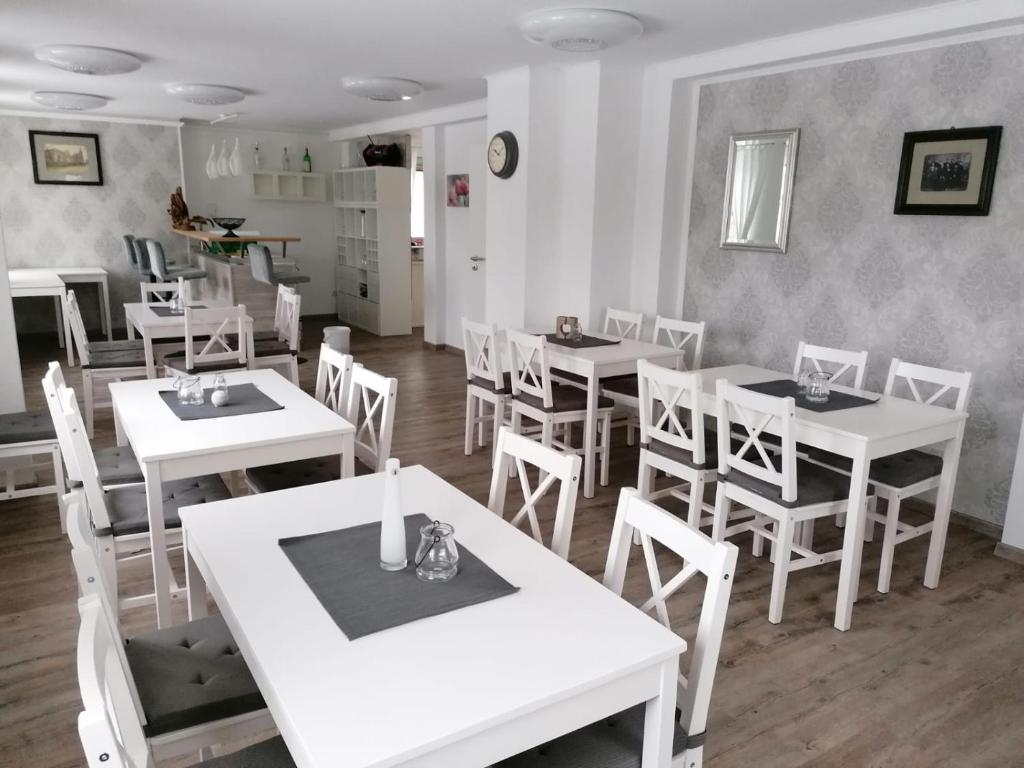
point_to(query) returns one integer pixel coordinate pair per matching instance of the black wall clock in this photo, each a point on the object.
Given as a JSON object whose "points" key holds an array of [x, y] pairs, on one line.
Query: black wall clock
{"points": [[503, 154]]}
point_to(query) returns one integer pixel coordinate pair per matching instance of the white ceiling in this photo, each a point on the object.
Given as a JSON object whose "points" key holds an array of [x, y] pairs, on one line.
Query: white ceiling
{"points": [[290, 56]]}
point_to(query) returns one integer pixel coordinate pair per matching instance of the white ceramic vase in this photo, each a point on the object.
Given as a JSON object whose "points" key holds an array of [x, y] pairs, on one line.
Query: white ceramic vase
{"points": [[393, 554], [211, 162], [235, 160], [222, 161]]}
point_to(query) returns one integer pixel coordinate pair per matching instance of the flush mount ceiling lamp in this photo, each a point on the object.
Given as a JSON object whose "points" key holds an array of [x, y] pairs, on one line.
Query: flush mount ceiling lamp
{"points": [[382, 88], [580, 30], [71, 102], [205, 95], [88, 60]]}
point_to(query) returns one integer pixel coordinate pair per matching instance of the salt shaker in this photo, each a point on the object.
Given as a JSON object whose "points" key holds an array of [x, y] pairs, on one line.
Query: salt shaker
{"points": [[393, 551]]}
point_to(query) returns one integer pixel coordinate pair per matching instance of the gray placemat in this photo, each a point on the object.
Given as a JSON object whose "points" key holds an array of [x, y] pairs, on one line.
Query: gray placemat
{"points": [[586, 341], [162, 311], [837, 401], [342, 568], [242, 399]]}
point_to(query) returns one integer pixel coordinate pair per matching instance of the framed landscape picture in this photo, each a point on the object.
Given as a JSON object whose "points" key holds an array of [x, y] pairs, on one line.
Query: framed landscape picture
{"points": [[66, 158], [948, 172]]}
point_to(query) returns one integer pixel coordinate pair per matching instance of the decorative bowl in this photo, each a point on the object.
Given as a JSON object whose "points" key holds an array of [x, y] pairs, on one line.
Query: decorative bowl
{"points": [[229, 224]]}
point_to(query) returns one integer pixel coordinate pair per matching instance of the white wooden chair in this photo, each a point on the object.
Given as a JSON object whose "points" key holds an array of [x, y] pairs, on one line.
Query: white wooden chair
{"points": [[910, 473], [839, 362], [217, 339], [163, 293], [284, 349], [486, 384], [683, 335], [120, 514], [537, 397], [617, 741], [24, 436], [102, 363], [552, 465], [113, 727], [783, 490]]}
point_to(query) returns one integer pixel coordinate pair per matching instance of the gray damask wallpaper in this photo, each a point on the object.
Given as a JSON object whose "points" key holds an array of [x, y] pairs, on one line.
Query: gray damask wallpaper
{"points": [[937, 290], [82, 226]]}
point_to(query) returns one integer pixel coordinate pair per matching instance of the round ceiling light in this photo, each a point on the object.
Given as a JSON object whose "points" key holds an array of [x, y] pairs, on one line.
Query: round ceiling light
{"points": [[72, 102], [88, 60], [580, 30], [207, 95], [382, 88]]}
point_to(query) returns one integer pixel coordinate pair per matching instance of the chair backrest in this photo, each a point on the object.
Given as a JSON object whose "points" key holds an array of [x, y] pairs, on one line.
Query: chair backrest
{"points": [[483, 358], [840, 360], [671, 390], [226, 335], [157, 260], [531, 372], [625, 325], [681, 335], [909, 376], [142, 263], [280, 318], [287, 320], [160, 293], [699, 554], [53, 383], [372, 400], [81, 461], [110, 727], [261, 263], [129, 251], [516, 450], [78, 333], [746, 414], [333, 374]]}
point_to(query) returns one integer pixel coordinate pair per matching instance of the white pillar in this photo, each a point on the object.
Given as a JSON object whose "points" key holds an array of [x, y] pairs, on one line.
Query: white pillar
{"points": [[12, 394], [434, 277], [1012, 545]]}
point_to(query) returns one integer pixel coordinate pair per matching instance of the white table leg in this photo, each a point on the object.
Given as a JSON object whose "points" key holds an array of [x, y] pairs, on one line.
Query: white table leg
{"points": [[59, 316], [195, 585], [661, 710], [129, 327], [348, 455], [853, 540], [590, 436], [119, 436], [158, 545], [105, 309], [147, 343], [943, 508]]}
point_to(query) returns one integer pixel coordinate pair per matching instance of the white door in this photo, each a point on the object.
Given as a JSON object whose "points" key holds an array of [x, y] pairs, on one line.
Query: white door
{"points": [[465, 257]]}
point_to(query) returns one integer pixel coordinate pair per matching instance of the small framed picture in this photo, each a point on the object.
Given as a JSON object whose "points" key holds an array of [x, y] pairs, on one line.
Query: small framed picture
{"points": [[66, 158], [948, 173], [458, 190]]}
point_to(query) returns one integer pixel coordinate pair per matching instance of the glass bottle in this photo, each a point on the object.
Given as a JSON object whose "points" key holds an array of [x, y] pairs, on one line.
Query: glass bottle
{"points": [[286, 163], [307, 162], [257, 163]]}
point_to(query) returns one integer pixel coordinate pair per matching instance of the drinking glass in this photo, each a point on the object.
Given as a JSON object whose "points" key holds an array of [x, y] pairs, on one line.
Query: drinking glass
{"points": [[803, 380], [177, 305], [190, 390], [818, 387], [437, 557]]}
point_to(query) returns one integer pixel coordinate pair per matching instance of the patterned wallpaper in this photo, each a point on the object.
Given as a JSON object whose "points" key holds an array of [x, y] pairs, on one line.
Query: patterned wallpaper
{"points": [[48, 225], [936, 290]]}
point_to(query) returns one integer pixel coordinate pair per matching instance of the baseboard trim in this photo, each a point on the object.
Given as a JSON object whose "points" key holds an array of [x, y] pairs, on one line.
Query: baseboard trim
{"points": [[987, 528], [1009, 552], [434, 347]]}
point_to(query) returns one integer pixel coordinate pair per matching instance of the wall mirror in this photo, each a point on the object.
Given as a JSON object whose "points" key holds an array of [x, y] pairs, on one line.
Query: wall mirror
{"points": [[759, 190]]}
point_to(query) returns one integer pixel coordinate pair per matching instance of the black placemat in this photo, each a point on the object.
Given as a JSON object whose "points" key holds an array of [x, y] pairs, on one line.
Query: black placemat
{"points": [[585, 342], [162, 311], [342, 568], [837, 401], [242, 399]]}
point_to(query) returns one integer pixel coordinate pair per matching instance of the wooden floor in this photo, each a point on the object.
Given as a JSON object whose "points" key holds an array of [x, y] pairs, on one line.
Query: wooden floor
{"points": [[925, 678]]}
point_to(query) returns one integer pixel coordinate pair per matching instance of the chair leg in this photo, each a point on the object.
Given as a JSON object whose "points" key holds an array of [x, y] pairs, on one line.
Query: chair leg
{"points": [[517, 427], [722, 508], [481, 410], [468, 448], [606, 446], [630, 434], [892, 517], [58, 483], [645, 478], [293, 367], [757, 546], [783, 544], [869, 524], [498, 419], [696, 503], [90, 414], [807, 534]]}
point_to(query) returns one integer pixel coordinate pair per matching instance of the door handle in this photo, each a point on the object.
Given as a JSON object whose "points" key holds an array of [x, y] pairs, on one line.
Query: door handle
{"points": [[477, 258]]}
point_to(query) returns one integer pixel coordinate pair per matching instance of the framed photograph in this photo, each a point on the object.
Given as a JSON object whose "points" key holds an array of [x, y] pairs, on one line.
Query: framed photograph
{"points": [[66, 158], [458, 190], [948, 173]]}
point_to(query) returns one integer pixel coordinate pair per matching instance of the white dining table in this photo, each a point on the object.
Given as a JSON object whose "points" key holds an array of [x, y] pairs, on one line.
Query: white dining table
{"points": [[890, 425], [54, 281], [595, 363], [140, 319], [169, 448], [466, 688]]}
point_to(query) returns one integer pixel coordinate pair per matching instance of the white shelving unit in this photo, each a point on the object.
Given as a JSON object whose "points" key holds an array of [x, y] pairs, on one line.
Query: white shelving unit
{"points": [[371, 222], [289, 185]]}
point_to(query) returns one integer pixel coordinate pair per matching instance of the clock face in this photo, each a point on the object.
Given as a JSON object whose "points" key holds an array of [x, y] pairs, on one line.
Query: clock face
{"points": [[503, 154]]}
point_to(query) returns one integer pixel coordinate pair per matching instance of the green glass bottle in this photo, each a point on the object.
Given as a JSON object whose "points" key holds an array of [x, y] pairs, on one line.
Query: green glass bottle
{"points": [[307, 162]]}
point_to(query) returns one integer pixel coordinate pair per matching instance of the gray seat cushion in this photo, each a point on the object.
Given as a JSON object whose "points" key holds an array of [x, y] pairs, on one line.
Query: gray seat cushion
{"points": [[187, 273], [190, 674], [117, 465], [582, 380], [120, 345], [480, 381], [117, 358], [272, 348], [814, 484], [292, 474], [26, 427], [271, 753], [126, 506], [683, 456], [564, 398], [176, 360], [615, 742], [900, 470], [624, 385], [290, 278]]}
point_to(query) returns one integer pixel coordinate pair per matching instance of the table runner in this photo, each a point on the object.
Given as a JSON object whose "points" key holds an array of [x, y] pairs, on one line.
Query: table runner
{"points": [[585, 342], [162, 311], [242, 399], [342, 569], [837, 401]]}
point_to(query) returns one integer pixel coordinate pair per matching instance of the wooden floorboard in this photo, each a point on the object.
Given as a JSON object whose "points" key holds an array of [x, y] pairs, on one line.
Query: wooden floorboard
{"points": [[925, 678]]}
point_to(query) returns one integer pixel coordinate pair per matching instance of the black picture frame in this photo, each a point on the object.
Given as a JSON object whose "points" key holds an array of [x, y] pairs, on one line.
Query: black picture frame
{"points": [[94, 178], [956, 183]]}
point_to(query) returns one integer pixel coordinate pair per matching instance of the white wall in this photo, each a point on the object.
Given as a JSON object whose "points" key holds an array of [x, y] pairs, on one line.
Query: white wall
{"points": [[12, 393], [1013, 529], [313, 222]]}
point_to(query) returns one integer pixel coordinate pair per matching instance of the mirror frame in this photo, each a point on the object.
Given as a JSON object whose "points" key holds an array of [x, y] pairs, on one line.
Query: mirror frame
{"points": [[781, 242]]}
